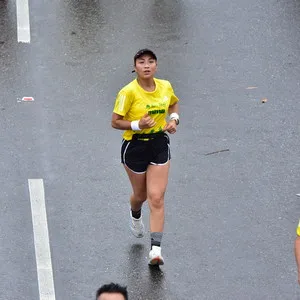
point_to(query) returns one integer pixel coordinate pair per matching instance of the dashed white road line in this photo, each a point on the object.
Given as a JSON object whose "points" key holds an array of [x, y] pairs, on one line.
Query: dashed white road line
{"points": [[41, 239], [23, 21]]}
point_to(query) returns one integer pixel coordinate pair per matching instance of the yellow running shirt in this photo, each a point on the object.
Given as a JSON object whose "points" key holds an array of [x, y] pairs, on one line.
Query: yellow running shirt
{"points": [[133, 102], [298, 229]]}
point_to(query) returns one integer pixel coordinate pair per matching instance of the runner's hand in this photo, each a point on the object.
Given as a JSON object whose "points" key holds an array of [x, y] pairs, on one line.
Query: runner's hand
{"points": [[170, 126], [146, 122]]}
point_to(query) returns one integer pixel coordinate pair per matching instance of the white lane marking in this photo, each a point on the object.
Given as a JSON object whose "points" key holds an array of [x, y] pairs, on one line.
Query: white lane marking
{"points": [[23, 21], [41, 239]]}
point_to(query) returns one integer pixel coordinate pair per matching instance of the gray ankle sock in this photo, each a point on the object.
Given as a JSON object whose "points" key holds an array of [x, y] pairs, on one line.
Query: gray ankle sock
{"points": [[156, 238]]}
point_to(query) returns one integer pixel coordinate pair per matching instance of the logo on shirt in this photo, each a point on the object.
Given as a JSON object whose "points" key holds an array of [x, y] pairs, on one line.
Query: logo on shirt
{"points": [[161, 104], [156, 111]]}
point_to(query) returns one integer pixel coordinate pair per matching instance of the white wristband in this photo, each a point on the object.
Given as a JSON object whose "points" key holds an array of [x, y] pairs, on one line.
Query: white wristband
{"points": [[174, 116], [135, 125]]}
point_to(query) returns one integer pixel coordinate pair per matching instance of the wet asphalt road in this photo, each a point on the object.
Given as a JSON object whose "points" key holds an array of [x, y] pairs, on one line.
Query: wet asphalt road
{"points": [[230, 216]]}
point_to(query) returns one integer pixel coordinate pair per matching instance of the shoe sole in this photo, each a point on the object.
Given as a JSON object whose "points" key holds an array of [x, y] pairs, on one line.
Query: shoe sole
{"points": [[156, 261]]}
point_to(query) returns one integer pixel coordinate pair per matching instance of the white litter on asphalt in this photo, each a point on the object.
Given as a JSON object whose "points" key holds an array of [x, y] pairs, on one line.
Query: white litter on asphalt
{"points": [[27, 99]]}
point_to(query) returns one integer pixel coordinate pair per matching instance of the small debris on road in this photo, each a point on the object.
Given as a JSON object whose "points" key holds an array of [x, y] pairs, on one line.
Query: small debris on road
{"points": [[215, 152], [27, 99]]}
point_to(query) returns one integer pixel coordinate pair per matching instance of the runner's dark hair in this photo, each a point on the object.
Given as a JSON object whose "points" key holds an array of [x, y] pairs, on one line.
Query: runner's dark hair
{"points": [[112, 288]]}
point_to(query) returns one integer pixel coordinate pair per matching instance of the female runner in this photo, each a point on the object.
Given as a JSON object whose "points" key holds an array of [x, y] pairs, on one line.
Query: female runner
{"points": [[141, 109]]}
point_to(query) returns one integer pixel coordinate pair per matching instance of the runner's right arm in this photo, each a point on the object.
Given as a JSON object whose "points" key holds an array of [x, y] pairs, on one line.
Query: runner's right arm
{"points": [[118, 122]]}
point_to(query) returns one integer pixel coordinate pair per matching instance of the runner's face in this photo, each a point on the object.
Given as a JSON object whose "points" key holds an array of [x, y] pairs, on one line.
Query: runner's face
{"points": [[145, 66]]}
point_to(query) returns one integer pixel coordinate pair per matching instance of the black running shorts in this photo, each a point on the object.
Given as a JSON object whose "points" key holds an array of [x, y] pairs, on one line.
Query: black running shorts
{"points": [[144, 150]]}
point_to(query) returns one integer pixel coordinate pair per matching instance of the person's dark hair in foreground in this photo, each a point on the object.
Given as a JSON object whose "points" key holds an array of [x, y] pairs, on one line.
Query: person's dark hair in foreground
{"points": [[112, 291]]}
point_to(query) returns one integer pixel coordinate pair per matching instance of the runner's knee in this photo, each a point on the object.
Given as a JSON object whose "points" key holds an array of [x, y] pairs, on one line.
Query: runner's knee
{"points": [[140, 196], [156, 200]]}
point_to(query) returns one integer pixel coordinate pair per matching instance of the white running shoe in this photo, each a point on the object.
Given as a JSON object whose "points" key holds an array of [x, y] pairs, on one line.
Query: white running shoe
{"points": [[137, 227], [155, 257]]}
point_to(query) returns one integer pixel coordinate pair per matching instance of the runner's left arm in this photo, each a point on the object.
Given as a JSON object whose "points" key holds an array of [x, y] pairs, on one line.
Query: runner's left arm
{"points": [[173, 108]]}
